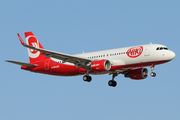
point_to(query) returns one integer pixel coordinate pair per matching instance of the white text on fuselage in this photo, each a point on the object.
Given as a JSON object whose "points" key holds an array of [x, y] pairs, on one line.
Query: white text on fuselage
{"points": [[55, 67]]}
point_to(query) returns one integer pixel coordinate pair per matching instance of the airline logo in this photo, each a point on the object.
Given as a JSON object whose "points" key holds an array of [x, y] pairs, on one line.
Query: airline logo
{"points": [[32, 41], [135, 51], [34, 44]]}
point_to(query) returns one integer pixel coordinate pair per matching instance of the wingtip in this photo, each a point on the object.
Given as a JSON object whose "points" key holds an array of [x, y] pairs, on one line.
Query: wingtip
{"points": [[20, 38]]}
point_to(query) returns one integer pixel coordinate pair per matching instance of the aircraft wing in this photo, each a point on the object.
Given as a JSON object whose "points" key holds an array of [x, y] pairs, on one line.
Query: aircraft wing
{"points": [[21, 63], [60, 56], [78, 61]]}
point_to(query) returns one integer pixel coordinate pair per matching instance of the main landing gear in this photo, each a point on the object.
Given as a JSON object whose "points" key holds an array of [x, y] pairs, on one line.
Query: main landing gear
{"points": [[153, 74], [112, 82], [86, 77]]}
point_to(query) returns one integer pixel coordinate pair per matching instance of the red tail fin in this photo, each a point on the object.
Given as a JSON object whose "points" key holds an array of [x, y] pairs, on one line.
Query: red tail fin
{"points": [[34, 55]]}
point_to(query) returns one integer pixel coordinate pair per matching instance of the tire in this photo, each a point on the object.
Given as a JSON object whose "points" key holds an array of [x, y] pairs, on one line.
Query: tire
{"points": [[87, 78], [153, 74], [112, 83]]}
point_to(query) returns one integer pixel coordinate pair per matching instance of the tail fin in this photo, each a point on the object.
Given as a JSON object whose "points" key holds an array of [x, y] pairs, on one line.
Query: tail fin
{"points": [[34, 55]]}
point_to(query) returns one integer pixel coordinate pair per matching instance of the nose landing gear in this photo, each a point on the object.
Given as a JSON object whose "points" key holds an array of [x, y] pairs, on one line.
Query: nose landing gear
{"points": [[153, 74]]}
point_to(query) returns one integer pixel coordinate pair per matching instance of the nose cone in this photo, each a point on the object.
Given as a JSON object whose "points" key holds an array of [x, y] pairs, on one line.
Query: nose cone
{"points": [[172, 55]]}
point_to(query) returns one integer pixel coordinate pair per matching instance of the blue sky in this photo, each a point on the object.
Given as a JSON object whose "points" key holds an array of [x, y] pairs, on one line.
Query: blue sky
{"points": [[75, 26]]}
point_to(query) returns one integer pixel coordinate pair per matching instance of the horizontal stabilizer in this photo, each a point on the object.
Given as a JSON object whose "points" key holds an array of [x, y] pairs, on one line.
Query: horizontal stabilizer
{"points": [[21, 63]]}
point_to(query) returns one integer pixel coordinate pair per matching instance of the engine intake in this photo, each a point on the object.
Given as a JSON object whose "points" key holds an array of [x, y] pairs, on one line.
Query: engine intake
{"points": [[101, 65], [137, 74]]}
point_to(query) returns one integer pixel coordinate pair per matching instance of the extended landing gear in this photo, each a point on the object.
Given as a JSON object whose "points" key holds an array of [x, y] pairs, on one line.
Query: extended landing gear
{"points": [[87, 78], [153, 74], [112, 82]]}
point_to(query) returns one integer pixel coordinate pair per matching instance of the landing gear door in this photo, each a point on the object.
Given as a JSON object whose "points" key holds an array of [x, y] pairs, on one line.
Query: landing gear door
{"points": [[147, 50]]}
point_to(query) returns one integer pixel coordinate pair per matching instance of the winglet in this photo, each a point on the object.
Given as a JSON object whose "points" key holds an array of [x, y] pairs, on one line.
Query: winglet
{"points": [[21, 40]]}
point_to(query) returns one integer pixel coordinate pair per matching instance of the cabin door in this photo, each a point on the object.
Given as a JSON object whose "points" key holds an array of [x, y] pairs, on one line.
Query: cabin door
{"points": [[147, 50]]}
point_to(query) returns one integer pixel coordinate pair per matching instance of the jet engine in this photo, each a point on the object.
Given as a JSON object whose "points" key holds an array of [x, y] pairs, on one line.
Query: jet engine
{"points": [[137, 74], [101, 65]]}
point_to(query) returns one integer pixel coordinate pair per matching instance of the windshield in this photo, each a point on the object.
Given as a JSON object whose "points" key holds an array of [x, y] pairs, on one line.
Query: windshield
{"points": [[162, 48]]}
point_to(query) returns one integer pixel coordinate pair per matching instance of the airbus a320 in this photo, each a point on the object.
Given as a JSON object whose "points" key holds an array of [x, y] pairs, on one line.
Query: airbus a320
{"points": [[129, 61]]}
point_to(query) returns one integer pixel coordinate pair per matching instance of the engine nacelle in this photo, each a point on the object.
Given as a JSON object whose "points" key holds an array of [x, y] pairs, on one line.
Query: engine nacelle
{"points": [[101, 65], [137, 74]]}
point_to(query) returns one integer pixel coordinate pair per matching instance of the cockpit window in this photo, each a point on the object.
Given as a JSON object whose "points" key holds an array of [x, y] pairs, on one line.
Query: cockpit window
{"points": [[162, 48]]}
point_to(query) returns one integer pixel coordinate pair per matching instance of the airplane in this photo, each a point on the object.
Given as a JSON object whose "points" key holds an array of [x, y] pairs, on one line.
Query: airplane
{"points": [[129, 61]]}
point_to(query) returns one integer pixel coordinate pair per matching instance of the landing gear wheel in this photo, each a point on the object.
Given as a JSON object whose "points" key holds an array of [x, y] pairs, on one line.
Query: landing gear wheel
{"points": [[112, 83], [153, 74], [87, 78]]}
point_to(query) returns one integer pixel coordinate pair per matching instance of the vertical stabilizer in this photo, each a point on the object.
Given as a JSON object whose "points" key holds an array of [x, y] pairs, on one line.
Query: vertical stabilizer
{"points": [[34, 55]]}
